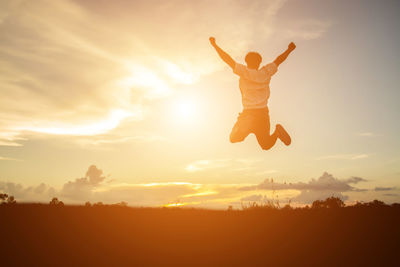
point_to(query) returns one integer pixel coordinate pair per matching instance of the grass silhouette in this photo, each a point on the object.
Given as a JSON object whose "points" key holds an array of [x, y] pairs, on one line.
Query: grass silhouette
{"points": [[325, 234]]}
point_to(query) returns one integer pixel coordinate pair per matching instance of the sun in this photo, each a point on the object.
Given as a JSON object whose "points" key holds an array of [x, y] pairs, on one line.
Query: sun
{"points": [[186, 112], [185, 109]]}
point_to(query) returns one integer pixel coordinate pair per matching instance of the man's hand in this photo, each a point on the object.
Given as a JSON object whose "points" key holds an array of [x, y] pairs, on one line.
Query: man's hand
{"points": [[285, 54], [291, 46], [212, 41], [224, 56]]}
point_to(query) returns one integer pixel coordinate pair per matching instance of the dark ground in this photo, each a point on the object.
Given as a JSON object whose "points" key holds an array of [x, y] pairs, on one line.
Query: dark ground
{"points": [[41, 235]]}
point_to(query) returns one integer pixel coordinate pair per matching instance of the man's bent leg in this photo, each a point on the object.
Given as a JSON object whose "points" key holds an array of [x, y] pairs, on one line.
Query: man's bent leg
{"points": [[262, 128], [241, 129], [266, 141], [283, 135], [238, 134]]}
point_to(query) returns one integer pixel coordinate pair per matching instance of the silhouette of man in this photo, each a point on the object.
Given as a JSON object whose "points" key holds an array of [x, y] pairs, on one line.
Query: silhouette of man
{"points": [[254, 87]]}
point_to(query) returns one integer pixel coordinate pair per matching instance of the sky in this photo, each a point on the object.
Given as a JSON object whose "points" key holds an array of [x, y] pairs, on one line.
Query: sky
{"points": [[127, 101]]}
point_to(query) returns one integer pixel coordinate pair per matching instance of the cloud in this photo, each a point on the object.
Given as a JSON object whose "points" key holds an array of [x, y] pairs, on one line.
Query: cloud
{"points": [[275, 6], [354, 180], [83, 187], [231, 164], [308, 29], [325, 182], [83, 68], [344, 156], [308, 196], [321, 188], [10, 138], [384, 188], [7, 158], [265, 172], [391, 195], [39, 193], [201, 165], [95, 187], [55, 78], [106, 139], [255, 198], [367, 134]]}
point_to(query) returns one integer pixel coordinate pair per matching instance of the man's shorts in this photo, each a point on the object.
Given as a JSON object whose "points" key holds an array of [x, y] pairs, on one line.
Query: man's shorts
{"points": [[251, 121]]}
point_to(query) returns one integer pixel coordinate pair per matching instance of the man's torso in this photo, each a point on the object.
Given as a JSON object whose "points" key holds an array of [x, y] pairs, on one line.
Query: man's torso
{"points": [[254, 85]]}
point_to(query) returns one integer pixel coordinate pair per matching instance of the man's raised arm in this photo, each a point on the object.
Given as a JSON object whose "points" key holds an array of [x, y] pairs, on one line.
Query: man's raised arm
{"points": [[285, 54], [224, 56]]}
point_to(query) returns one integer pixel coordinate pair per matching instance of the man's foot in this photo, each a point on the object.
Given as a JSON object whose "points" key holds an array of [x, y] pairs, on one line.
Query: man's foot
{"points": [[283, 135]]}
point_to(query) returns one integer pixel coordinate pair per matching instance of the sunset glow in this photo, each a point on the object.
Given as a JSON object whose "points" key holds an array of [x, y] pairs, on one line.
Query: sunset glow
{"points": [[114, 118], [173, 205], [186, 110], [134, 89]]}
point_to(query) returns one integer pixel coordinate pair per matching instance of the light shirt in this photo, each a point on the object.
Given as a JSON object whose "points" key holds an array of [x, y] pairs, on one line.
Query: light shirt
{"points": [[254, 84]]}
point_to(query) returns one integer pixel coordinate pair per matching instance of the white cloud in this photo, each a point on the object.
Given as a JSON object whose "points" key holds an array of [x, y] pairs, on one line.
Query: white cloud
{"points": [[231, 164], [344, 156], [101, 140], [39, 193], [201, 165], [325, 182], [57, 77], [378, 188], [321, 188], [252, 198], [368, 134], [307, 29], [10, 138], [275, 6], [95, 187], [7, 158], [266, 172], [365, 134]]}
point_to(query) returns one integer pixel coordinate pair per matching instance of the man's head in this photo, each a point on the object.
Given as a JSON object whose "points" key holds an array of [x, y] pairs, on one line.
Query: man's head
{"points": [[253, 60]]}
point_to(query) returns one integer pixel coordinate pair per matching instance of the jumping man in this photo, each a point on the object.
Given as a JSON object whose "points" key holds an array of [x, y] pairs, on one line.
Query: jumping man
{"points": [[254, 87]]}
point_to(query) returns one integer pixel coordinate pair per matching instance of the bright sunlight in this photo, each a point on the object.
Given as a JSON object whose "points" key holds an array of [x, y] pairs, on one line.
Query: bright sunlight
{"points": [[185, 109]]}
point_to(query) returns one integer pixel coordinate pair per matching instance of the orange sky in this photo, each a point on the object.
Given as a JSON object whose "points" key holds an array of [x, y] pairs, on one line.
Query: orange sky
{"points": [[135, 89]]}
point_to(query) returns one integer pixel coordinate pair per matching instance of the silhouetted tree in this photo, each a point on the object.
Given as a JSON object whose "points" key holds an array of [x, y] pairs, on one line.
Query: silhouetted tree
{"points": [[334, 203], [56, 202], [358, 205], [3, 198], [11, 200], [98, 204], [330, 202], [287, 207], [6, 199], [317, 204], [376, 204], [87, 204], [121, 204]]}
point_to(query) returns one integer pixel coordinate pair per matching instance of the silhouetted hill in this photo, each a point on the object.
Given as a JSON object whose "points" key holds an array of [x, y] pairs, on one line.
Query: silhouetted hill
{"points": [[39, 235]]}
